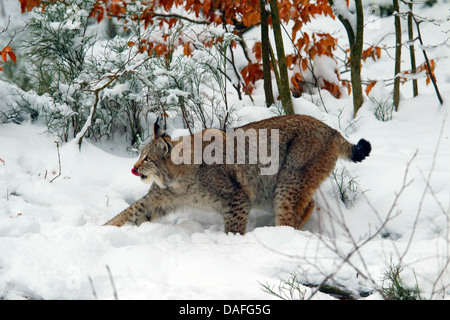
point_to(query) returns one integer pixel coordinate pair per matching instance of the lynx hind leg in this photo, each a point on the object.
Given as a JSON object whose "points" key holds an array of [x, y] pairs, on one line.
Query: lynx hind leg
{"points": [[293, 202], [293, 205], [303, 214]]}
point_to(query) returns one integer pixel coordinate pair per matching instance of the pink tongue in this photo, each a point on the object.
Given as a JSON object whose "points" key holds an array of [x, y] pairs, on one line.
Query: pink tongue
{"points": [[134, 171]]}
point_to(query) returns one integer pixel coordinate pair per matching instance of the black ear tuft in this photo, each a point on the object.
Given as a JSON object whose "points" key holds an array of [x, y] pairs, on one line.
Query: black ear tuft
{"points": [[361, 150], [158, 132]]}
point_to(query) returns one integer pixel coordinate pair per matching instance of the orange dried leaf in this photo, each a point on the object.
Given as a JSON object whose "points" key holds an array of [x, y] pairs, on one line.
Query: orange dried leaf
{"points": [[371, 52], [142, 49], [23, 5], [251, 18], [28, 5], [257, 50], [378, 50], [101, 14], [296, 81], [12, 56], [187, 50], [251, 73], [116, 8], [348, 85], [289, 60], [370, 86], [160, 49], [304, 64], [151, 45], [172, 22], [333, 88], [296, 28]]}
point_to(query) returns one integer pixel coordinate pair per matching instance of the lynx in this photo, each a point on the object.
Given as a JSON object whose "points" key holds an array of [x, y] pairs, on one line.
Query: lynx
{"points": [[304, 149]]}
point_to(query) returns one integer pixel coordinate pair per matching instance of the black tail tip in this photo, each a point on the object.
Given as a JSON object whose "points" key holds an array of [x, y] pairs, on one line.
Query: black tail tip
{"points": [[361, 150]]}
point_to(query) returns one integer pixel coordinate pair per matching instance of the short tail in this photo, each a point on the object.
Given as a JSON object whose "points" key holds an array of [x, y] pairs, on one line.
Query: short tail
{"points": [[354, 152], [360, 150]]}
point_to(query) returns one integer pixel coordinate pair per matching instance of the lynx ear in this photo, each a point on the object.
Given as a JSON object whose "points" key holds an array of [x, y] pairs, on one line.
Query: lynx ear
{"points": [[158, 132], [165, 146]]}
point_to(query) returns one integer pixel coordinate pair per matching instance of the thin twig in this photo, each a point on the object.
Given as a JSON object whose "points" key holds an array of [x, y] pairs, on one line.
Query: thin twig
{"points": [[59, 162], [93, 288], [7, 25], [112, 283]]}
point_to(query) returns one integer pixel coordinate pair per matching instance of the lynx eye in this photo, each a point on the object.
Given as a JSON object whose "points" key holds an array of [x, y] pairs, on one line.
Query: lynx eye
{"points": [[147, 158]]}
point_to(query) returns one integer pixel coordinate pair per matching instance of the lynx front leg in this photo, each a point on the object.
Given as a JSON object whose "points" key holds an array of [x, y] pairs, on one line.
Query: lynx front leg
{"points": [[151, 206], [236, 214], [137, 213], [236, 222]]}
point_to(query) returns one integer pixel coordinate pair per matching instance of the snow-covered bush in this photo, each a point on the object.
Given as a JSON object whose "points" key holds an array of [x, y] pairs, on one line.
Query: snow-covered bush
{"points": [[103, 86], [57, 46], [195, 88]]}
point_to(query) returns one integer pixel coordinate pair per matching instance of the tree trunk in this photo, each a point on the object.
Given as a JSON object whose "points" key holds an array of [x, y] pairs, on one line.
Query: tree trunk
{"points": [[275, 65], [285, 92], [265, 50], [358, 97], [398, 54], [357, 90], [411, 49], [355, 41]]}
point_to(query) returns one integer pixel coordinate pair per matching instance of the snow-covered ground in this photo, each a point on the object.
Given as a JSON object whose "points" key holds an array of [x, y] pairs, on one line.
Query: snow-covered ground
{"points": [[53, 244]]}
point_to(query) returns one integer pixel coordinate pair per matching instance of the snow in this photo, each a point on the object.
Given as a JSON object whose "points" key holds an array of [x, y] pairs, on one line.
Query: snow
{"points": [[53, 244]]}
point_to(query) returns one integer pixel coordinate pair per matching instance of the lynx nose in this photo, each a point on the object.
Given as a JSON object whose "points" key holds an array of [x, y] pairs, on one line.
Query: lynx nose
{"points": [[135, 172]]}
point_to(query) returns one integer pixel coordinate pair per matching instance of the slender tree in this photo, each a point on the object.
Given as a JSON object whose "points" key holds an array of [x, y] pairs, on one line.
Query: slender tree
{"points": [[398, 53], [285, 92], [355, 38], [428, 63], [411, 48], [265, 52]]}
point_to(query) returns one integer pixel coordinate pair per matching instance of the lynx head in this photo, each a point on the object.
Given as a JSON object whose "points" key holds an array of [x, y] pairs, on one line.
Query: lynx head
{"points": [[154, 158]]}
